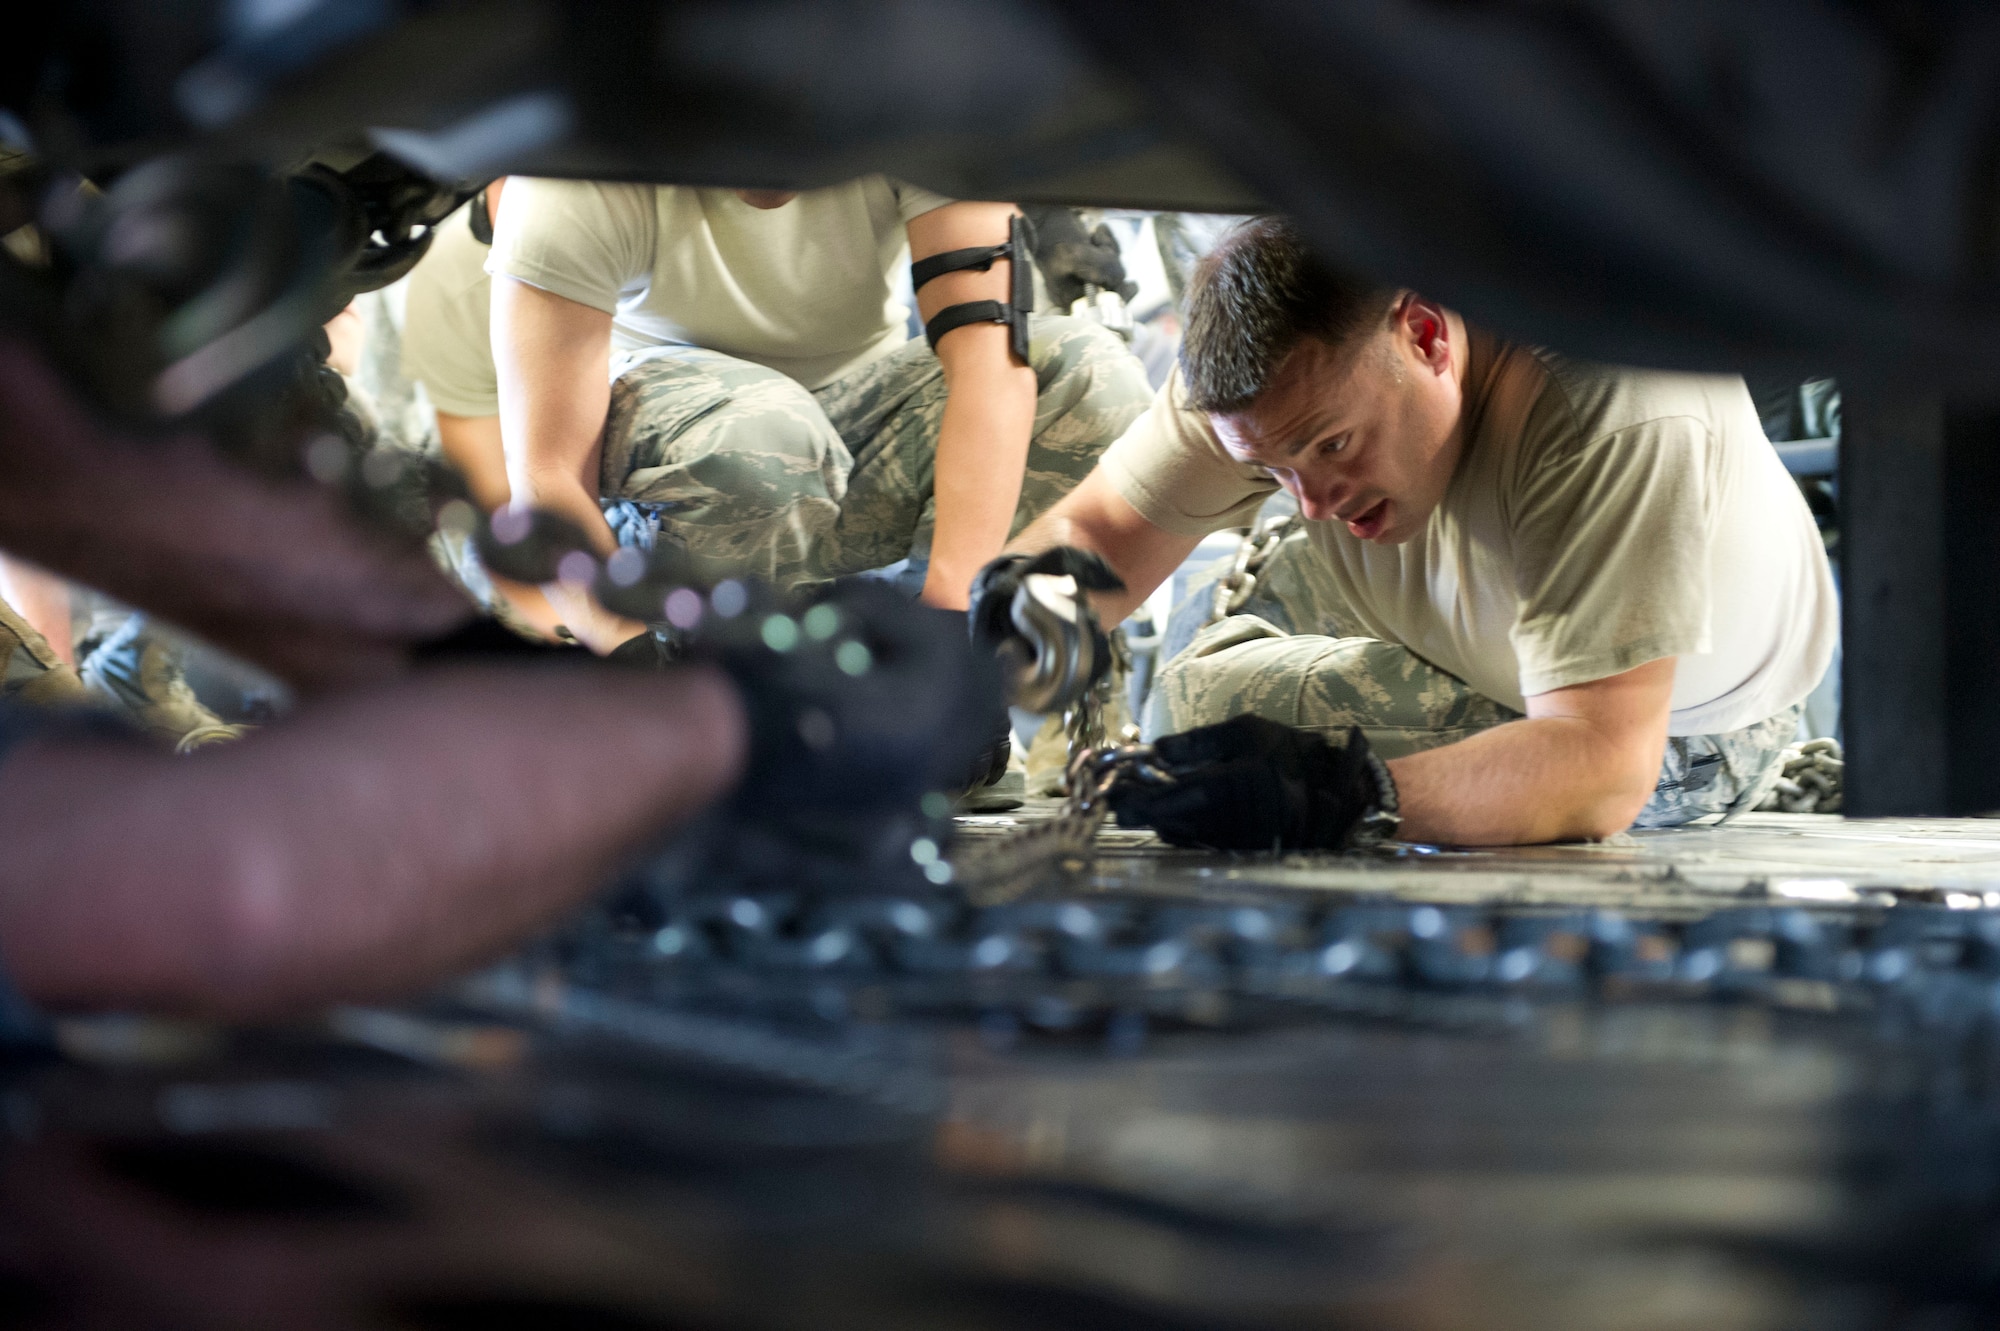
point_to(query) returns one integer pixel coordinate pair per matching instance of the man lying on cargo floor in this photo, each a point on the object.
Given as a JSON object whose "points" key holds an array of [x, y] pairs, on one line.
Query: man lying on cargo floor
{"points": [[1536, 599]]}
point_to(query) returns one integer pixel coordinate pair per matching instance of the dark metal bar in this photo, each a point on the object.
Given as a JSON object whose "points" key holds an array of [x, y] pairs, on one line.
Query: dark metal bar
{"points": [[1920, 553]]}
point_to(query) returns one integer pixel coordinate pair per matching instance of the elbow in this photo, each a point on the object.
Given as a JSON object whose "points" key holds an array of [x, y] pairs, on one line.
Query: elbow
{"points": [[1615, 802], [542, 484], [1606, 818]]}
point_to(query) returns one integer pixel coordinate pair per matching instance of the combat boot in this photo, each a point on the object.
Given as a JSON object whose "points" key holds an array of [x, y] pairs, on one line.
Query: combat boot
{"points": [[1004, 786], [140, 673]]}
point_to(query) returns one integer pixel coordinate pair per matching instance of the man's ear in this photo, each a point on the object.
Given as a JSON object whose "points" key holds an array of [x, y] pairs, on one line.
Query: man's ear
{"points": [[1429, 331]]}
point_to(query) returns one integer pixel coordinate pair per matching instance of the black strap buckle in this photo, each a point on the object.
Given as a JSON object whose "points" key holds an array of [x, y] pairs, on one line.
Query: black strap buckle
{"points": [[1013, 312], [479, 220]]}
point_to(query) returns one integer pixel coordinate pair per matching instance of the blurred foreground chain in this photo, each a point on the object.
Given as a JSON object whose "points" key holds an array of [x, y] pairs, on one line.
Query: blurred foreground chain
{"points": [[1114, 965], [184, 289]]}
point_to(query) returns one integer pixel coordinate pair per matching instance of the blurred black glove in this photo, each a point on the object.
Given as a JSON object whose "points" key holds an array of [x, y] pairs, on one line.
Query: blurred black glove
{"points": [[642, 651], [1253, 784], [860, 700], [991, 761], [527, 544], [1071, 258], [867, 713]]}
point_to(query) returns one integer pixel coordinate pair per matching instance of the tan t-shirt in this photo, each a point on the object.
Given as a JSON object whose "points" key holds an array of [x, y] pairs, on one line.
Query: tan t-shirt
{"points": [[446, 343], [1600, 518], [805, 289]]}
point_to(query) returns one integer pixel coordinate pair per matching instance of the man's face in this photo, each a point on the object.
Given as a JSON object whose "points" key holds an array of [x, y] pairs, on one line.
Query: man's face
{"points": [[1366, 433]]}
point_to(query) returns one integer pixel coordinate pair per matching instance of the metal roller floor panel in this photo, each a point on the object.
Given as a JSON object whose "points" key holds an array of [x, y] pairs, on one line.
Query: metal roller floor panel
{"points": [[1741, 1077]]}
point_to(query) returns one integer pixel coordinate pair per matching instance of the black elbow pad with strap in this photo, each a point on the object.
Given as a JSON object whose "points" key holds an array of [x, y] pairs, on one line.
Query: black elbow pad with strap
{"points": [[1012, 312]]}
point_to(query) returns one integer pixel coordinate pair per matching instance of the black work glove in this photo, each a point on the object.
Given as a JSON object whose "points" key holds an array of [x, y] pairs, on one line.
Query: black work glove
{"points": [[1071, 258], [866, 712], [1253, 784], [993, 587], [991, 616]]}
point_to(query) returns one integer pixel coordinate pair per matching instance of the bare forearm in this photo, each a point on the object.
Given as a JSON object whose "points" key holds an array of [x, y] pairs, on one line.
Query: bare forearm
{"points": [[551, 357], [472, 444], [1095, 517], [1067, 524], [367, 847], [1529, 781], [982, 453]]}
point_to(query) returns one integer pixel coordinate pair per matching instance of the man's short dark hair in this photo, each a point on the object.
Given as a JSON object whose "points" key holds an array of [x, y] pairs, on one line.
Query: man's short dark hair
{"points": [[1256, 295]]}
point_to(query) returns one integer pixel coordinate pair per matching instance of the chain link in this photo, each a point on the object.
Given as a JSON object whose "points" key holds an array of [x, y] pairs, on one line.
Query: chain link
{"points": [[1234, 589], [1009, 866], [1083, 724], [1084, 721], [1811, 777], [1020, 861]]}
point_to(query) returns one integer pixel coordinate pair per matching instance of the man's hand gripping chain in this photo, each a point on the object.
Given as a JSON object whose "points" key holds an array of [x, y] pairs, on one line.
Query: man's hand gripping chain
{"points": [[1247, 784], [1034, 612], [1250, 783]]}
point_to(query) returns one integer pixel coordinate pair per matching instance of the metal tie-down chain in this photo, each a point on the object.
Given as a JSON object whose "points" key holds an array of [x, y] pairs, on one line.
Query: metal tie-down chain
{"points": [[1084, 724], [1016, 863], [1234, 589], [1810, 779], [1034, 854]]}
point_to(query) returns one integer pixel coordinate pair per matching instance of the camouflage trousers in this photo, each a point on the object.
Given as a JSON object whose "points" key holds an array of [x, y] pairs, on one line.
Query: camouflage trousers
{"points": [[1317, 679], [750, 474], [126, 668], [35, 675]]}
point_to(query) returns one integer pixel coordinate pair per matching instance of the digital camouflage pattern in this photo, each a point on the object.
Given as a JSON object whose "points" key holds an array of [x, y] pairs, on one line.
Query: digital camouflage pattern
{"points": [[1248, 664], [35, 675], [1288, 660], [750, 474], [143, 674], [128, 668]]}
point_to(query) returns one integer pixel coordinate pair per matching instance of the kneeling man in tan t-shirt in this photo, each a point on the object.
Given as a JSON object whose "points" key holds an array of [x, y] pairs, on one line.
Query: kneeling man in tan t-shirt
{"points": [[1552, 598]]}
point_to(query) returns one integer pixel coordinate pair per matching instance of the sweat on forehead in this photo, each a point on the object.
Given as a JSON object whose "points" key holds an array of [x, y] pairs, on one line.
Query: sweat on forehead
{"points": [[1305, 397]]}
